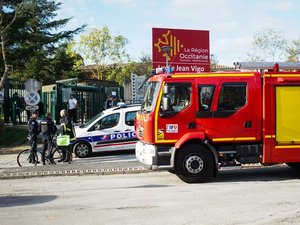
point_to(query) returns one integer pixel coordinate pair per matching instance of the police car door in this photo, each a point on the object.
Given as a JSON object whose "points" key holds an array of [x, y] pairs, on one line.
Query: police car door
{"points": [[129, 137], [109, 128]]}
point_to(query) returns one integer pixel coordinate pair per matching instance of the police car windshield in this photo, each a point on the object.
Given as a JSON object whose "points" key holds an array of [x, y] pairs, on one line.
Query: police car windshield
{"points": [[91, 121], [150, 96]]}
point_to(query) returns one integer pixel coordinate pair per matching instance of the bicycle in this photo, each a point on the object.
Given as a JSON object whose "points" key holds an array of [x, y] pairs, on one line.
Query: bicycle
{"points": [[56, 153], [54, 156]]}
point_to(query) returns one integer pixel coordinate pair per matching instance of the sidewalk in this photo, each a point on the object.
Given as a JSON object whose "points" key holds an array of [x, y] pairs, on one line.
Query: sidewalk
{"points": [[73, 169], [9, 168]]}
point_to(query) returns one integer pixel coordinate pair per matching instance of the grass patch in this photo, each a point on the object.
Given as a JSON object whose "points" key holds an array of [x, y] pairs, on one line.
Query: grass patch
{"points": [[12, 136]]}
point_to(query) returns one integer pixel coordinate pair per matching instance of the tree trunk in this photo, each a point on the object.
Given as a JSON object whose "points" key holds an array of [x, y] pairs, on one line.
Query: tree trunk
{"points": [[2, 130], [7, 67], [3, 37], [4, 77]]}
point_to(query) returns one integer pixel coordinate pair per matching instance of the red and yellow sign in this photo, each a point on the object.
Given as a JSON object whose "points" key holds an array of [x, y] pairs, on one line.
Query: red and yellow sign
{"points": [[190, 49]]}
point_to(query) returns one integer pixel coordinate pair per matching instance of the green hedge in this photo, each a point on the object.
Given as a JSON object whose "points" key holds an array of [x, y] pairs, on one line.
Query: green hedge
{"points": [[12, 136]]}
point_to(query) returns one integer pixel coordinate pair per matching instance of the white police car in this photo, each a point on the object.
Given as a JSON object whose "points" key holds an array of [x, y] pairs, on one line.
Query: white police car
{"points": [[110, 130]]}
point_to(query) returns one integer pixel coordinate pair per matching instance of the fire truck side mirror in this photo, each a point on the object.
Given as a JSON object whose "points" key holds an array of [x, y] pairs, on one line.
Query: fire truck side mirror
{"points": [[165, 103], [166, 89]]}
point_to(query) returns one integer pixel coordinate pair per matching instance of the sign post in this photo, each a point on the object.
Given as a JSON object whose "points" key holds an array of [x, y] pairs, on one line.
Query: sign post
{"points": [[32, 97]]}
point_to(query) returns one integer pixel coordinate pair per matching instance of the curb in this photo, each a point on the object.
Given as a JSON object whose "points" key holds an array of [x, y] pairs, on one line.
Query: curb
{"points": [[112, 171]]}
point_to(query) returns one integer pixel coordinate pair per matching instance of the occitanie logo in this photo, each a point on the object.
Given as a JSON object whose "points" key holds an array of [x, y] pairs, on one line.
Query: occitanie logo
{"points": [[169, 40]]}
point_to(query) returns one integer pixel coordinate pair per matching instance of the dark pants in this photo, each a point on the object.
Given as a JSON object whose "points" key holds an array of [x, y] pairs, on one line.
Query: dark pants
{"points": [[65, 156], [16, 115], [45, 148], [33, 148], [33, 143], [73, 115]]}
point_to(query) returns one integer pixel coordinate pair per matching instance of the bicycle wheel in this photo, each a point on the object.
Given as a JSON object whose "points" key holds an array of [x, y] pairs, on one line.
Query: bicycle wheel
{"points": [[57, 156], [27, 158]]}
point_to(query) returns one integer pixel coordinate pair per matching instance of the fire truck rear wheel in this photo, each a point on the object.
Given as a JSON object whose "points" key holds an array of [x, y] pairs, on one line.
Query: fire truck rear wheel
{"points": [[194, 164]]}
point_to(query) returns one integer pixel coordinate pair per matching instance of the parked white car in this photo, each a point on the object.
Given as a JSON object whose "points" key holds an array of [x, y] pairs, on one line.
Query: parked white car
{"points": [[110, 130]]}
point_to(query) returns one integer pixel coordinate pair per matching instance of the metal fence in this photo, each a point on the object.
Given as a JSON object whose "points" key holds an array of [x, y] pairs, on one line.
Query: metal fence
{"points": [[91, 96], [14, 104]]}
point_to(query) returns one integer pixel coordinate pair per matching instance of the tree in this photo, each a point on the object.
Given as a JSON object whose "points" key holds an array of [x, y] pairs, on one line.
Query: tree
{"points": [[269, 45], [122, 72], [8, 15], [35, 40], [104, 51], [214, 61], [293, 51], [144, 66], [61, 65]]}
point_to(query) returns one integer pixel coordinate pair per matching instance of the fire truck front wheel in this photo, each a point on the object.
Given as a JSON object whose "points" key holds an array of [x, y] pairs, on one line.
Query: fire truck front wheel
{"points": [[194, 164]]}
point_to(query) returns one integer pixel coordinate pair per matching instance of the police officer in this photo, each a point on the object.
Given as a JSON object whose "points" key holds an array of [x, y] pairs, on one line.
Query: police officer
{"points": [[66, 129], [48, 129], [16, 108], [34, 130]]}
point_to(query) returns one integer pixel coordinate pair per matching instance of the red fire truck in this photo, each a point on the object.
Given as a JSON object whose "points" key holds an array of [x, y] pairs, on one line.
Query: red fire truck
{"points": [[193, 124]]}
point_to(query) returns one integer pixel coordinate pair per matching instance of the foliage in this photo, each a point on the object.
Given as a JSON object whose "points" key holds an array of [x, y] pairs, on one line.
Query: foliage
{"points": [[214, 60], [293, 51], [269, 45], [8, 15], [37, 41], [12, 136], [77, 59], [104, 51], [144, 66]]}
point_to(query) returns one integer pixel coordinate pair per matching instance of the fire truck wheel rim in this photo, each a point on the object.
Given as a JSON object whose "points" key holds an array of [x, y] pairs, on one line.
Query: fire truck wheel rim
{"points": [[194, 164]]}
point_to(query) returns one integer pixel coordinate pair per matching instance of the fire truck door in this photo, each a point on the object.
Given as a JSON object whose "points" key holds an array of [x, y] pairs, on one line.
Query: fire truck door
{"points": [[227, 117], [177, 113], [232, 118]]}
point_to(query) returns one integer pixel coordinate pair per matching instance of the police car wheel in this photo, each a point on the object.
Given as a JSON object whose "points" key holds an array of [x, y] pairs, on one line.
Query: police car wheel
{"points": [[82, 149]]}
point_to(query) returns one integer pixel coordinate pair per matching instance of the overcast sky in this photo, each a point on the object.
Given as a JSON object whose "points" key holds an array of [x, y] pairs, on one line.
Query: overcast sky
{"points": [[231, 23]]}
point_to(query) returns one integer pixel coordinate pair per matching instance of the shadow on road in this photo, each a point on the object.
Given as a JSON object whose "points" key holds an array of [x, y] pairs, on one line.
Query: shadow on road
{"points": [[11, 201], [121, 152], [272, 173]]}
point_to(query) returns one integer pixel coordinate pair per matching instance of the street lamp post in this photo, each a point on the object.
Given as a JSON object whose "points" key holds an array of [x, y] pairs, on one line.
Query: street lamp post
{"points": [[166, 50]]}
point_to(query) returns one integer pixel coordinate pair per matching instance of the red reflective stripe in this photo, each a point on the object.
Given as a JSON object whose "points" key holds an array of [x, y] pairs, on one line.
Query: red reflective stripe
{"points": [[116, 144]]}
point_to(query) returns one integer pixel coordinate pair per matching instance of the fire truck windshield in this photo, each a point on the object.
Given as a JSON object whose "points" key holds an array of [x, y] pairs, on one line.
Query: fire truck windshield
{"points": [[150, 96]]}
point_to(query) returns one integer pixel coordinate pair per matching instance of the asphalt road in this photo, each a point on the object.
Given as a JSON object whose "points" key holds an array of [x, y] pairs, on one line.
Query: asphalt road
{"points": [[241, 197]]}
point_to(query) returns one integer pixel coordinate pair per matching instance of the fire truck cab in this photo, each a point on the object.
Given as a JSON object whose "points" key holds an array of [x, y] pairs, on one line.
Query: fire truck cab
{"points": [[193, 124]]}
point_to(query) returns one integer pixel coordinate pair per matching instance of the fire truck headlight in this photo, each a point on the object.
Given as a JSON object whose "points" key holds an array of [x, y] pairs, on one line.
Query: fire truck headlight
{"points": [[145, 153], [149, 150]]}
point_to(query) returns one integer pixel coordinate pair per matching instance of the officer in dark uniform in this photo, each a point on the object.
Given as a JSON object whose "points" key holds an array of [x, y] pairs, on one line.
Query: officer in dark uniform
{"points": [[16, 108], [48, 129], [34, 130]]}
